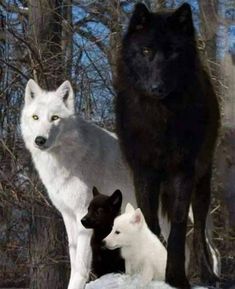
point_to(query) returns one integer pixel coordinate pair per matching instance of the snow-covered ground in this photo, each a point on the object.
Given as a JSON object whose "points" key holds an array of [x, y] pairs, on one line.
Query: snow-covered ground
{"points": [[118, 281]]}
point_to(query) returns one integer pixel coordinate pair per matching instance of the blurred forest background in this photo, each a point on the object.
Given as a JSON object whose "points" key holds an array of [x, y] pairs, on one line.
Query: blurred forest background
{"points": [[55, 40]]}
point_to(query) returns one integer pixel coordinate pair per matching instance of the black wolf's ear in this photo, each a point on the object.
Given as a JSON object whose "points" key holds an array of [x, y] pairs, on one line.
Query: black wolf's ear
{"points": [[95, 192], [116, 200], [139, 18], [182, 19]]}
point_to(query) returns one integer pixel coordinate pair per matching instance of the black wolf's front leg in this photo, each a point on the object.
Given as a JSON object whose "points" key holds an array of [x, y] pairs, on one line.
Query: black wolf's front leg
{"points": [[200, 204], [147, 187], [182, 186]]}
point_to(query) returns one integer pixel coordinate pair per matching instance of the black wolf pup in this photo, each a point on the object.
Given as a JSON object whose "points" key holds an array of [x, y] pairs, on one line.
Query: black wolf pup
{"points": [[167, 118], [101, 213]]}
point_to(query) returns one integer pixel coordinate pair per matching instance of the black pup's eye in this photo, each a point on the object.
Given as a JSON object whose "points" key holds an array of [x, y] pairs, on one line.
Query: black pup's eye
{"points": [[99, 211], [147, 51], [117, 232]]}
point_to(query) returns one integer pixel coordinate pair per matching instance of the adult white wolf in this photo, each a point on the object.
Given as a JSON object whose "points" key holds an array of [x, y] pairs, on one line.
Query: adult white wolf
{"points": [[71, 156]]}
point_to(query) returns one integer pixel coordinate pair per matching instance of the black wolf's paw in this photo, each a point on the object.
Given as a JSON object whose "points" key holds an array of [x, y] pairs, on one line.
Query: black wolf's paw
{"points": [[178, 282], [210, 279]]}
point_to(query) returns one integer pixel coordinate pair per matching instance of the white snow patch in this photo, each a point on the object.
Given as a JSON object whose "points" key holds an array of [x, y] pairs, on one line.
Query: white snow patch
{"points": [[122, 281]]}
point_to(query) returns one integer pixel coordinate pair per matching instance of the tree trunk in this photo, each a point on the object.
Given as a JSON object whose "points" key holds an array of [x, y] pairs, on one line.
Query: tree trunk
{"points": [[45, 21], [47, 249], [47, 240]]}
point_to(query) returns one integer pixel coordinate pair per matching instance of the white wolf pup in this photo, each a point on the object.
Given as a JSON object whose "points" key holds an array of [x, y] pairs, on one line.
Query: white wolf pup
{"points": [[71, 156], [142, 250]]}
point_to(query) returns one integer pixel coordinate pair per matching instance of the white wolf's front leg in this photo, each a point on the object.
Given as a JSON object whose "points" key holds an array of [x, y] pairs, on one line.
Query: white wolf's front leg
{"points": [[72, 233], [128, 267], [147, 275], [83, 257]]}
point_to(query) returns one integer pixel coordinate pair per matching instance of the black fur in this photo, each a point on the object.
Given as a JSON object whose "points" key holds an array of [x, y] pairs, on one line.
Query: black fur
{"points": [[167, 120], [101, 213]]}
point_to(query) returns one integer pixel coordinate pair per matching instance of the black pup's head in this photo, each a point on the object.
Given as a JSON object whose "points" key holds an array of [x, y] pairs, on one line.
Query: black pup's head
{"points": [[102, 210], [158, 50]]}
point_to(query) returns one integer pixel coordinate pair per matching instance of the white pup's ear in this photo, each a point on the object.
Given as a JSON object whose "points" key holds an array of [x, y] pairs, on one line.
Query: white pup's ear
{"points": [[137, 217], [32, 90], [65, 92], [129, 208]]}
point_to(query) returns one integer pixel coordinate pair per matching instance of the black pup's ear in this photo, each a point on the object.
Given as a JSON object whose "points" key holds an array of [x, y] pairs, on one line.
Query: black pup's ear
{"points": [[182, 19], [95, 192], [139, 18], [116, 200]]}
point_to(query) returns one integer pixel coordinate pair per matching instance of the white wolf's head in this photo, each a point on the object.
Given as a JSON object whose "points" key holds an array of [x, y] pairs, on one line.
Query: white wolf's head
{"points": [[125, 229], [43, 112]]}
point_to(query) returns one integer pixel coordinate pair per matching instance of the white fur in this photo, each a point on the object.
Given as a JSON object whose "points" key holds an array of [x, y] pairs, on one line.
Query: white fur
{"points": [[142, 250]]}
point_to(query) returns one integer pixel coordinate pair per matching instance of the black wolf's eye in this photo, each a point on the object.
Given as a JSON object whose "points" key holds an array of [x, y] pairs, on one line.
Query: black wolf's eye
{"points": [[146, 51], [35, 117], [117, 232], [54, 117]]}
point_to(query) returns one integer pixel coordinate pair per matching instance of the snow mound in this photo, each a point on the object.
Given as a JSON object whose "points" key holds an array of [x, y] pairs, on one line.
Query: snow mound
{"points": [[122, 281]]}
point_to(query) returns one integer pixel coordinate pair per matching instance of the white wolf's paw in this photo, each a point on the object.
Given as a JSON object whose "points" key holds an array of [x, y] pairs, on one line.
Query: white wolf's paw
{"points": [[146, 277], [77, 282]]}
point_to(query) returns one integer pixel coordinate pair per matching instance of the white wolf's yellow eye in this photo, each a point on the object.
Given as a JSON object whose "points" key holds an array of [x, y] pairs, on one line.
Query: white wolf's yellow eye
{"points": [[54, 117], [35, 117]]}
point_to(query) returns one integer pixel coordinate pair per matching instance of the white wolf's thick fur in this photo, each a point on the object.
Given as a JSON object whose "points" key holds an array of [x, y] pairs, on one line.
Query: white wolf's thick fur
{"points": [[142, 251], [76, 156]]}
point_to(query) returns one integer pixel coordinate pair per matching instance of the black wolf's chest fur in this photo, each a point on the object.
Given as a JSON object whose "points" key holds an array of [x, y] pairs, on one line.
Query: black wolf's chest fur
{"points": [[104, 261], [161, 134]]}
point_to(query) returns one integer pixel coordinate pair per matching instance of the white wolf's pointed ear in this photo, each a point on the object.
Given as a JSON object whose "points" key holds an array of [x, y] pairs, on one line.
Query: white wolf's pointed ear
{"points": [[31, 91], [65, 92], [129, 208], [137, 217]]}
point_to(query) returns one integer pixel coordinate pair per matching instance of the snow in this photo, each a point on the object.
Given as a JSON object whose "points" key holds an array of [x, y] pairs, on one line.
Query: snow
{"points": [[122, 281]]}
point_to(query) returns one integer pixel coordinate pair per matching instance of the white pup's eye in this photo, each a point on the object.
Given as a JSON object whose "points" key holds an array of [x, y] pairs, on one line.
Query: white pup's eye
{"points": [[117, 232], [35, 117], [54, 117]]}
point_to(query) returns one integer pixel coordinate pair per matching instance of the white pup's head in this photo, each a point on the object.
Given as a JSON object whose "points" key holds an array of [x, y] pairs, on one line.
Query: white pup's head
{"points": [[125, 228], [43, 112]]}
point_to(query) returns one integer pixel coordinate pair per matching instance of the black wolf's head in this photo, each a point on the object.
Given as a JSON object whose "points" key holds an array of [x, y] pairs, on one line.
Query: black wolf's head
{"points": [[158, 50], [102, 210]]}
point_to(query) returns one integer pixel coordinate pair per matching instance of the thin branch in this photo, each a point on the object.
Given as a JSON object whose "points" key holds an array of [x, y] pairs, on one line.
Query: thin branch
{"points": [[14, 9], [90, 37]]}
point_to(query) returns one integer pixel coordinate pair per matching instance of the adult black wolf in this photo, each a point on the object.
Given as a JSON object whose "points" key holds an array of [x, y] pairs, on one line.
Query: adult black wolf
{"points": [[167, 120]]}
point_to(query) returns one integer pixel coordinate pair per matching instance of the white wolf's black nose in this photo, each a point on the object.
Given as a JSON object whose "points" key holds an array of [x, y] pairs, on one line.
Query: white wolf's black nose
{"points": [[40, 140]]}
